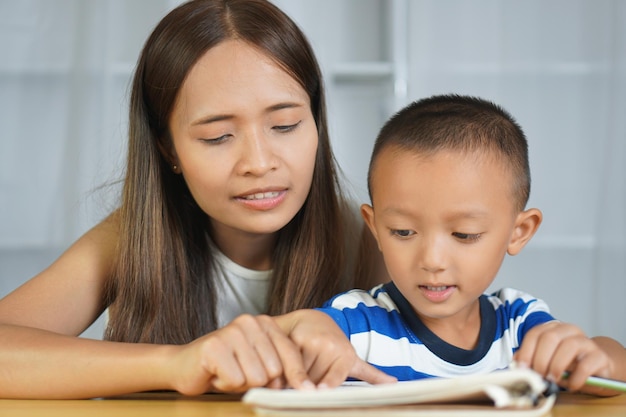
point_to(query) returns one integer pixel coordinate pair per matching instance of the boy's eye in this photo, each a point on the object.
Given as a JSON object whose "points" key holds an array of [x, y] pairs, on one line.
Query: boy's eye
{"points": [[401, 232], [467, 237], [286, 128]]}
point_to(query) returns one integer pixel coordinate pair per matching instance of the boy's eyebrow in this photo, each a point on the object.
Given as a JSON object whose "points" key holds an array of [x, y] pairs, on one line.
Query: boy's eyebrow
{"points": [[221, 117], [468, 214], [395, 210], [460, 214]]}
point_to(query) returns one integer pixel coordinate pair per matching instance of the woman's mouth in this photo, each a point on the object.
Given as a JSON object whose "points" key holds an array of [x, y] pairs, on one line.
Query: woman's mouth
{"points": [[263, 201], [261, 196]]}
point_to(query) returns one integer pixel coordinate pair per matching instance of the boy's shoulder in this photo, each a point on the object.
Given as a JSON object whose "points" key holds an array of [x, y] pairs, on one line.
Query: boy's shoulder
{"points": [[355, 298], [516, 302], [507, 294]]}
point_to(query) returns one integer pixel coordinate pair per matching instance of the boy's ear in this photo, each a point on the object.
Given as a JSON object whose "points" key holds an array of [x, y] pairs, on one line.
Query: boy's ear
{"points": [[367, 212], [526, 225]]}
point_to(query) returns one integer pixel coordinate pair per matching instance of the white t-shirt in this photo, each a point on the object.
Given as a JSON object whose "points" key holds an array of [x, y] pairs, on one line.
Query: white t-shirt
{"points": [[239, 290]]}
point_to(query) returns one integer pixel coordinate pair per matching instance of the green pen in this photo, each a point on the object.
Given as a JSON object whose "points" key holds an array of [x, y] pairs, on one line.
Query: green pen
{"points": [[596, 381]]}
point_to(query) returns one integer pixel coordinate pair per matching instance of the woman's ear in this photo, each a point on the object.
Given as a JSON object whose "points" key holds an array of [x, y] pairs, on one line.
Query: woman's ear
{"points": [[526, 225], [169, 153], [367, 212]]}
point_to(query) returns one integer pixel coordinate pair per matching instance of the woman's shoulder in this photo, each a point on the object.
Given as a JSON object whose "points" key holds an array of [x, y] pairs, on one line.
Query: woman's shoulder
{"points": [[76, 278], [91, 258]]}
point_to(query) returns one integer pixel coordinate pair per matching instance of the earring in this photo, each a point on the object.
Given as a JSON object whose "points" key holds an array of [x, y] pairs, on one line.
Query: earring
{"points": [[175, 168]]}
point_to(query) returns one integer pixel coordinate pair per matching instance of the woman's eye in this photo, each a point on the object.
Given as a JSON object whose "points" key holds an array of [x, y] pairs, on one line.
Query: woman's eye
{"points": [[286, 128], [401, 232], [467, 237], [215, 141]]}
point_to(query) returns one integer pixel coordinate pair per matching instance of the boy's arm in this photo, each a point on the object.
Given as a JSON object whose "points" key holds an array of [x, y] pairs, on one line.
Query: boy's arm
{"points": [[328, 356], [616, 352], [554, 348]]}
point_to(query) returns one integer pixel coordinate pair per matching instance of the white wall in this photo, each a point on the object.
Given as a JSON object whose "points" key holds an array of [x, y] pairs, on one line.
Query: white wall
{"points": [[557, 65]]}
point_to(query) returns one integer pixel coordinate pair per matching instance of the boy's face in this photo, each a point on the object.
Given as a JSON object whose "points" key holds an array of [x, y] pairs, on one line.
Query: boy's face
{"points": [[444, 224]]}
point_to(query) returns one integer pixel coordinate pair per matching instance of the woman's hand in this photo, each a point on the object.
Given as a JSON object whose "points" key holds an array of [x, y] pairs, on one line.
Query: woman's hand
{"points": [[554, 348], [328, 356], [251, 351]]}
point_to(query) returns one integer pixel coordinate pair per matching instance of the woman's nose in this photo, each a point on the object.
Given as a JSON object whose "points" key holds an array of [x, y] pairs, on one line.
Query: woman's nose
{"points": [[257, 154]]}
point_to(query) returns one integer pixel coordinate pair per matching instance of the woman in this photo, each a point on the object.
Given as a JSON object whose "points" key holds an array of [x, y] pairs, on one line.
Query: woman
{"points": [[231, 205]]}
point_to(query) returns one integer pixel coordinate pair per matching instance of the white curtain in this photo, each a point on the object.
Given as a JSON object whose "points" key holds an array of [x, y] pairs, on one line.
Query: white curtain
{"points": [[65, 68], [64, 71], [558, 65], [53, 115], [610, 256]]}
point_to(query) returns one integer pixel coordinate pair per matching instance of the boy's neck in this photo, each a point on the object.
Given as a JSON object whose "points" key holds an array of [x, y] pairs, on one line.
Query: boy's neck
{"points": [[461, 330]]}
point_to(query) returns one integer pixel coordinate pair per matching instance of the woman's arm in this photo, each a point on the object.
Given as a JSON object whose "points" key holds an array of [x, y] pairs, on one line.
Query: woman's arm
{"points": [[250, 351], [40, 320], [41, 355], [41, 364]]}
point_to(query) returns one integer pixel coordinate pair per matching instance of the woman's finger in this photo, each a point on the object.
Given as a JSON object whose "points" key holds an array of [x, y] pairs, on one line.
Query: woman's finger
{"points": [[369, 373], [290, 356], [238, 343]]}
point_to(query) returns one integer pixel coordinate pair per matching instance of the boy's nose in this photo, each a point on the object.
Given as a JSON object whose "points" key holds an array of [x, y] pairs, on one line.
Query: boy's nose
{"points": [[432, 255]]}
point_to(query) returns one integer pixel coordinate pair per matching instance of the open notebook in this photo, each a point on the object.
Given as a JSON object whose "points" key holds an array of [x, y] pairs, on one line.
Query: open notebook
{"points": [[514, 392]]}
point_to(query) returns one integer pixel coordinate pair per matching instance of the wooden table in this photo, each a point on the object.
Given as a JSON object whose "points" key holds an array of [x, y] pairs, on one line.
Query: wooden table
{"points": [[173, 405]]}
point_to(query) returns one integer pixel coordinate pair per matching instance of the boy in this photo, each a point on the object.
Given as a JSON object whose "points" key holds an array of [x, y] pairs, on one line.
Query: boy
{"points": [[449, 181]]}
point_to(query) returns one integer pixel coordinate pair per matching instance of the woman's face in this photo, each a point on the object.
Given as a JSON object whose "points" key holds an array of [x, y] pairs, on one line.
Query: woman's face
{"points": [[244, 139]]}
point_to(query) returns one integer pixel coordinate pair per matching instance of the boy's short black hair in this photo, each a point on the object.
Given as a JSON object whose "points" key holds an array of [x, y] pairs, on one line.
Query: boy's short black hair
{"points": [[458, 123]]}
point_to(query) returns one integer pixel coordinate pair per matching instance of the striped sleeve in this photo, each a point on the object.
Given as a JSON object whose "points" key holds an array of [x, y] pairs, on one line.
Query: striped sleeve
{"points": [[359, 311], [517, 312], [378, 333]]}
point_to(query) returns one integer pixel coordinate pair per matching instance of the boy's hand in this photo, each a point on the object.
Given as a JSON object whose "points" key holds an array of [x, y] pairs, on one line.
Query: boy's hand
{"points": [[553, 348], [328, 356]]}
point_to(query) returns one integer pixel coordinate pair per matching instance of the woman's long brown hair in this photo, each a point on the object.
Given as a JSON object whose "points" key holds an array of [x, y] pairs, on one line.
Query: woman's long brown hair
{"points": [[163, 289]]}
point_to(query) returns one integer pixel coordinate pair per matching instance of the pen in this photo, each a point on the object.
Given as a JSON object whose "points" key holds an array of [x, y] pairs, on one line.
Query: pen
{"points": [[594, 381], [602, 382]]}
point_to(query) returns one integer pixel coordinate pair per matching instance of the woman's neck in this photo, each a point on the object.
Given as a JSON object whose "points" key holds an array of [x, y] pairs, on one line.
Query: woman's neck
{"points": [[252, 251]]}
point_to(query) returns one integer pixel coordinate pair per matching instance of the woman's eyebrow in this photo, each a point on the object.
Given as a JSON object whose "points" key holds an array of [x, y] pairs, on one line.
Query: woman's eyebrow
{"points": [[221, 117], [284, 105], [212, 118]]}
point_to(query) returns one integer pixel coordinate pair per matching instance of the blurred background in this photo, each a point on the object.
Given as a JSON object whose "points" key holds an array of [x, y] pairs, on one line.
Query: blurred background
{"points": [[559, 66]]}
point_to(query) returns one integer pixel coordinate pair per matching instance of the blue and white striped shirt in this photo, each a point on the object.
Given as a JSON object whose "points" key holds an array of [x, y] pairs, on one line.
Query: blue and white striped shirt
{"points": [[385, 332]]}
